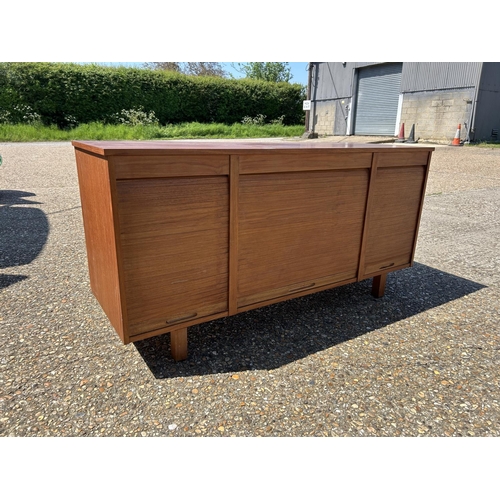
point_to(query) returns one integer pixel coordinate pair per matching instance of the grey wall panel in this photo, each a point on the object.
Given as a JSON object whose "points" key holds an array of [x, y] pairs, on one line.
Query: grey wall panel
{"points": [[490, 77], [486, 123], [487, 116], [334, 80], [421, 76]]}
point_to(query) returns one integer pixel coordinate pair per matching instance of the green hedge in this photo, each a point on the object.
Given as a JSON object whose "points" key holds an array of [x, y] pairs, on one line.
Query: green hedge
{"points": [[68, 93]]}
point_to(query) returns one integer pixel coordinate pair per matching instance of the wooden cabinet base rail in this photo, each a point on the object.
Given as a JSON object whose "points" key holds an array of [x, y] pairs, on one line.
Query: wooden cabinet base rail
{"points": [[183, 232]]}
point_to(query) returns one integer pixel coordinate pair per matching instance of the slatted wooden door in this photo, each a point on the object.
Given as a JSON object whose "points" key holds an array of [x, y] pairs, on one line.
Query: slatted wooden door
{"points": [[174, 245], [394, 212], [298, 230]]}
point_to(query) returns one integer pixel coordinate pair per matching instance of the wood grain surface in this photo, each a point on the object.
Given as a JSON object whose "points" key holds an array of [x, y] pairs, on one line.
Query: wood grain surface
{"points": [[174, 236], [96, 190], [392, 221], [296, 229]]}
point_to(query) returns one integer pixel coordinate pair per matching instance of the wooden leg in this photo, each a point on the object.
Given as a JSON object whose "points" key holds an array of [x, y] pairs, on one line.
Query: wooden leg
{"points": [[179, 344], [378, 286]]}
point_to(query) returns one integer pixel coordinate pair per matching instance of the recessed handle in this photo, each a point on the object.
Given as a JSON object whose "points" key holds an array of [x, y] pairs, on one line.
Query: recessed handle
{"points": [[183, 318], [388, 265], [301, 288]]}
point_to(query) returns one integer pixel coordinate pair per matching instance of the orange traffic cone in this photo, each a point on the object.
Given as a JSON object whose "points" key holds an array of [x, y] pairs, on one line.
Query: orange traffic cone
{"points": [[456, 140], [401, 136]]}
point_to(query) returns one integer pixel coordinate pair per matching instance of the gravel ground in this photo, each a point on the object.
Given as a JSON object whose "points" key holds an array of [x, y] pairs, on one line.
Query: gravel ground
{"points": [[422, 361]]}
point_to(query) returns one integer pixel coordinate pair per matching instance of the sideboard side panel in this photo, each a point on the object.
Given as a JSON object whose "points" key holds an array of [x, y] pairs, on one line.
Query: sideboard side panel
{"points": [[100, 238]]}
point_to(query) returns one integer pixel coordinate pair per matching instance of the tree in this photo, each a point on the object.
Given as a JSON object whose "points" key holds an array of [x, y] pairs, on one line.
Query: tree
{"points": [[205, 69], [165, 66], [268, 71], [190, 68]]}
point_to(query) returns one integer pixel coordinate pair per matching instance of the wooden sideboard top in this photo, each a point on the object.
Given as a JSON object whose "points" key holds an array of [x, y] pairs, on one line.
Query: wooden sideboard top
{"points": [[108, 148]]}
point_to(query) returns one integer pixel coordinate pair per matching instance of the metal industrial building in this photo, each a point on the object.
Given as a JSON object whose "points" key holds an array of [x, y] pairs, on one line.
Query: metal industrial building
{"points": [[367, 98]]}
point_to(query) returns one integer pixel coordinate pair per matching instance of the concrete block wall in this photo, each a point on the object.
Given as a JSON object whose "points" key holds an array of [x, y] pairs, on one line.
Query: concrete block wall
{"points": [[324, 117], [436, 114]]}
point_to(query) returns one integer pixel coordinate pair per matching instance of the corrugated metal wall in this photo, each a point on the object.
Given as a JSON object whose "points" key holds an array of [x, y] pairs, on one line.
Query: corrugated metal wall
{"points": [[334, 80], [421, 76], [487, 120], [331, 80], [490, 79]]}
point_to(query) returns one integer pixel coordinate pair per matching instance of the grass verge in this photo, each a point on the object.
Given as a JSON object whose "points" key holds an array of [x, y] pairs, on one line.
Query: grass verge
{"points": [[99, 131]]}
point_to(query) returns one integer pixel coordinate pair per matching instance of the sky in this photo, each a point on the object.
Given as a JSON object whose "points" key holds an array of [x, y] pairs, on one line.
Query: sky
{"points": [[196, 31]]}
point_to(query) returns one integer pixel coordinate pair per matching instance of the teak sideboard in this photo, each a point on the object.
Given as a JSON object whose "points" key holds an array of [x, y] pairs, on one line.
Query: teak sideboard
{"points": [[184, 232]]}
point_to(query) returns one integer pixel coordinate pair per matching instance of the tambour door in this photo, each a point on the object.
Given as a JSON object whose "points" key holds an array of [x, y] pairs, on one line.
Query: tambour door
{"points": [[174, 247], [395, 210], [298, 229]]}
